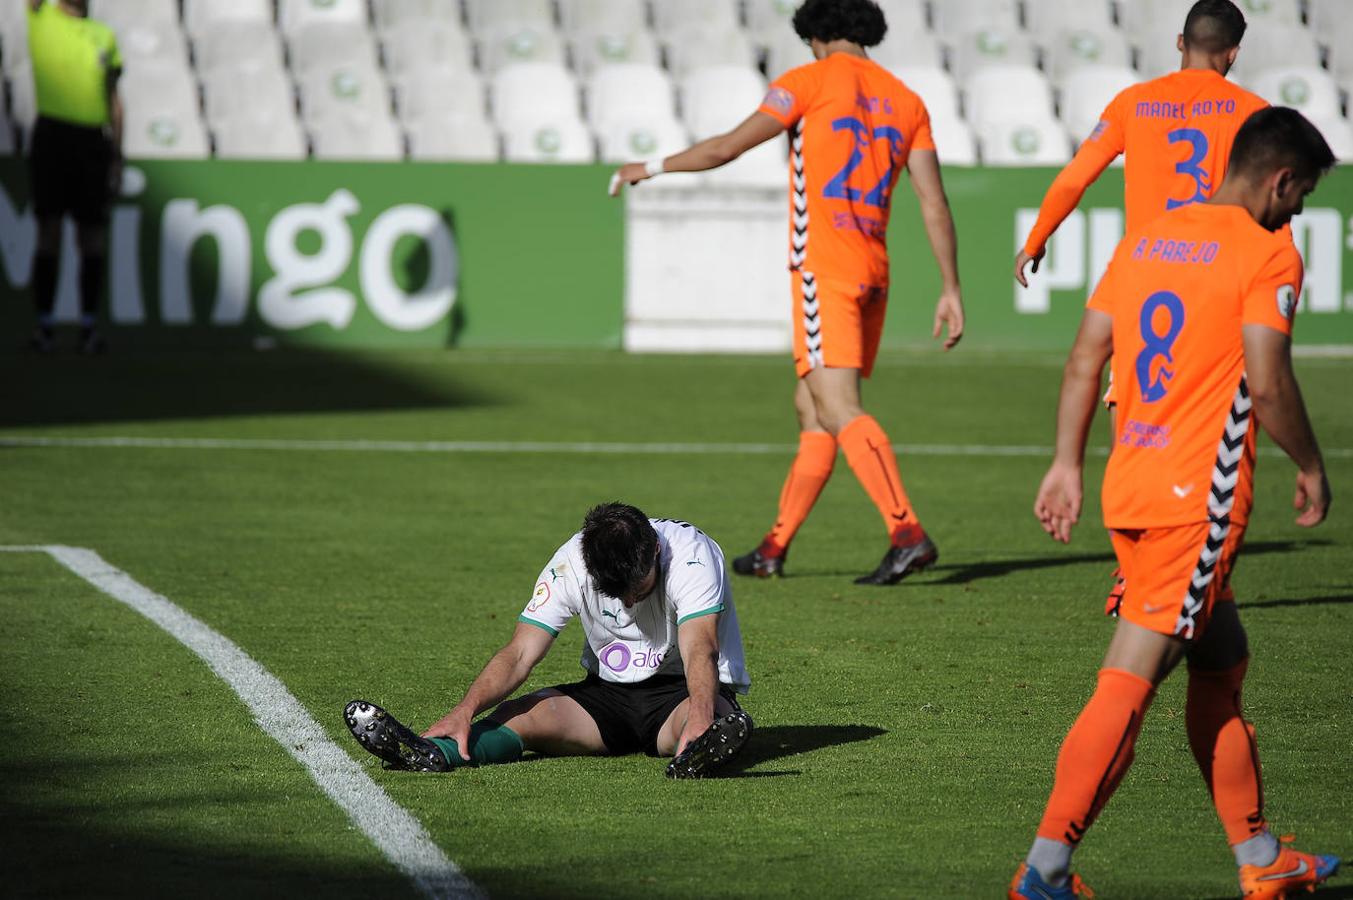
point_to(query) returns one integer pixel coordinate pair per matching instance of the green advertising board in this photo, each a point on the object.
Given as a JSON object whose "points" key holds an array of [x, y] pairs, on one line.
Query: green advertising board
{"points": [[212, 253], [316, 253], [994, 210]]}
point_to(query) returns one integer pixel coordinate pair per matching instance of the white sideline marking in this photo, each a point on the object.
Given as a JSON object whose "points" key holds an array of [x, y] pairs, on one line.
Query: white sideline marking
{"points": [[581, 447], [394, 831]]}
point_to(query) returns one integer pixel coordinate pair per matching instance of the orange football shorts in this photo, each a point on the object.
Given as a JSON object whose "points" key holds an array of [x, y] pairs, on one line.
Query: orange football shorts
{"points": [[1173, 576], [837, 324]]}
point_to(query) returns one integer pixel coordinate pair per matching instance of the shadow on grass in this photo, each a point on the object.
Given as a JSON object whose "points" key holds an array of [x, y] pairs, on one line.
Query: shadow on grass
{"points": [[1334, 600], [782, 741], [210, 384], [1337, 892]]}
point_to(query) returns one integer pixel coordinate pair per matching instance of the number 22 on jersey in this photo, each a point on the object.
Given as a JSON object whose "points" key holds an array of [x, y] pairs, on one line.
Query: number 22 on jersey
{"points": [[839, 187]]}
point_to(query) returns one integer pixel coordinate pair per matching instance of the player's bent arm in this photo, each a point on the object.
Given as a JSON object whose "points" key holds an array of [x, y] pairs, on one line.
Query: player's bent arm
{"points": [[1280, 409], [698, 639], [928, 186], [506, 671], [710, 153], [1061, 200], [1058, 504]]}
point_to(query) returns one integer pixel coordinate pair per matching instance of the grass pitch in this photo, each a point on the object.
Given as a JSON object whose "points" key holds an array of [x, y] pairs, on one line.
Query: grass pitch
{"points": [[906, 736]]}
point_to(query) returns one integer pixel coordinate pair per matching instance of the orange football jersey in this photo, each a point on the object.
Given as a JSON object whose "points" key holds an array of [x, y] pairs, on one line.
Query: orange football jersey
{"points": [[1179, 291], [852, 126]]}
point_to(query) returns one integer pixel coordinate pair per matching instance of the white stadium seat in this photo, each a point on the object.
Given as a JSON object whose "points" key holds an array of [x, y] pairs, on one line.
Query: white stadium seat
{"points": [[551, 141], [1002, 93], [1158, 52], [639, 138], [1338, 134], [452, 138], [163, 132], [603, 16], [764, 166], [490, 15], [784, 51], [343, 87], [628, 92], [520, 44], [245, 89], [151, 42], [1283, 12], [1139, 17], [593, 49], [13, 38], [1088, 93], [166, 86], [1036, 142], [120, 13], [1279, 46], [672, 16], [901, 50], [956, 17], [412, 44], [260, 133], [1042, 17], [528, 93], [234, 42], [1325, 16], [321, 45], [954, 143], [767, 17], [201, 16], [976, 50], [716, 99], [296, 14], [904, 17], [935, 88], [7, 143], [696, 48], [357, 134], [427, 12], [1338, 41], [23, 103], [1067, 51], [1308, 89], [438, 90]]}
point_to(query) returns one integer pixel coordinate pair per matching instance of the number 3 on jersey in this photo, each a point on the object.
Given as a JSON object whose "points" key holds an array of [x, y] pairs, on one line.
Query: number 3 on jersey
{"points": [[878, 196], [1192, 167], [1158, 344]]}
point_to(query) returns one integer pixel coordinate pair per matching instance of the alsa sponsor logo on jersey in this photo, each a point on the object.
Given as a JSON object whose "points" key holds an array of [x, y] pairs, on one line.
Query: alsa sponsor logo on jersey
{"points": [[539, 597], [1287, 301], [618, 657]]}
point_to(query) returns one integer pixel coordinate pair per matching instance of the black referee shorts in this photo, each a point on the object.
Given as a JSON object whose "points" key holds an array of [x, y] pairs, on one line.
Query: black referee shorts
{"points": [[70, 166], [629, 716]]}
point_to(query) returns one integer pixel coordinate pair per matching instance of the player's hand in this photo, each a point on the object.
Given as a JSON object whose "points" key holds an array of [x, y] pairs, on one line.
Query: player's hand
{"points": [[1058, 506], [630, 173], [454, 725], [949, 311], [696, 725], [1312, 499], [1023, 259]]}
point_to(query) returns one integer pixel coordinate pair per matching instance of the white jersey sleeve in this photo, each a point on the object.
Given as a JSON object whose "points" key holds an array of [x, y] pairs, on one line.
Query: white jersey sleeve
{"points": [[696, 583], [557, 596]]}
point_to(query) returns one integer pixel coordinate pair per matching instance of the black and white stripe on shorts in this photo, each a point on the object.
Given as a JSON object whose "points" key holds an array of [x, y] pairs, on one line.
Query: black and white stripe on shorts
{"points": [[1221, 499]]}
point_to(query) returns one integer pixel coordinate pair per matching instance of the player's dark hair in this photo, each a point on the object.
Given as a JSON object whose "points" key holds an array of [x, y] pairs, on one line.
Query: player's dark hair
{"points": [[1214, 26], [619, 547], [1277, 137], [858, 21]]}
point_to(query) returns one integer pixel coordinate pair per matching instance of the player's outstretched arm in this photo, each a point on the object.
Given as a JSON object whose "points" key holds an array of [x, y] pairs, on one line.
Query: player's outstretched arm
{"points": [[506, 671], [939, 228], [1058, 505], [1280, 409], [710, 153], [699, 642]]}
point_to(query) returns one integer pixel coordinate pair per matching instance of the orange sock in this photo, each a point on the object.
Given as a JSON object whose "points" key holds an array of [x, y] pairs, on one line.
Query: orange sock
{"points": [[1223, 744], [1095, 755], [807, 476], [871, 458]]}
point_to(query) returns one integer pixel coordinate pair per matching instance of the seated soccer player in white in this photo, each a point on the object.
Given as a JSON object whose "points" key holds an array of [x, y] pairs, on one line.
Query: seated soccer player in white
{"points": [[663, 656]]}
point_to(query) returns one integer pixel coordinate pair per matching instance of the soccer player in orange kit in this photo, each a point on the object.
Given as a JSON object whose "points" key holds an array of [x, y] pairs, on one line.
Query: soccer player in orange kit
{"points": [[1196, 309], [853, 128]]}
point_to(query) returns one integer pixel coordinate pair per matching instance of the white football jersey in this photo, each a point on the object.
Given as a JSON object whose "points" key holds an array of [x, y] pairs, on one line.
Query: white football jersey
{"points": [[629, 645]]}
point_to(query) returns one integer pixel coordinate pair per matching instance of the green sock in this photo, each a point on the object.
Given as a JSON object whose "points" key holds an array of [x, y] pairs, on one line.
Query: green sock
{"points": [[490, 743]]}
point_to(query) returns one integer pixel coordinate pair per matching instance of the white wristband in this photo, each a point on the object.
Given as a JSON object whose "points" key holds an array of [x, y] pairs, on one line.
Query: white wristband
{"points": [[654, 167]]}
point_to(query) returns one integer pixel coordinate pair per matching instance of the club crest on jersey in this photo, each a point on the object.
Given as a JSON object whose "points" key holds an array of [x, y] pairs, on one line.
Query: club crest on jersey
{"points": [[780, 100], [1287, 301], [539, 597]]}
